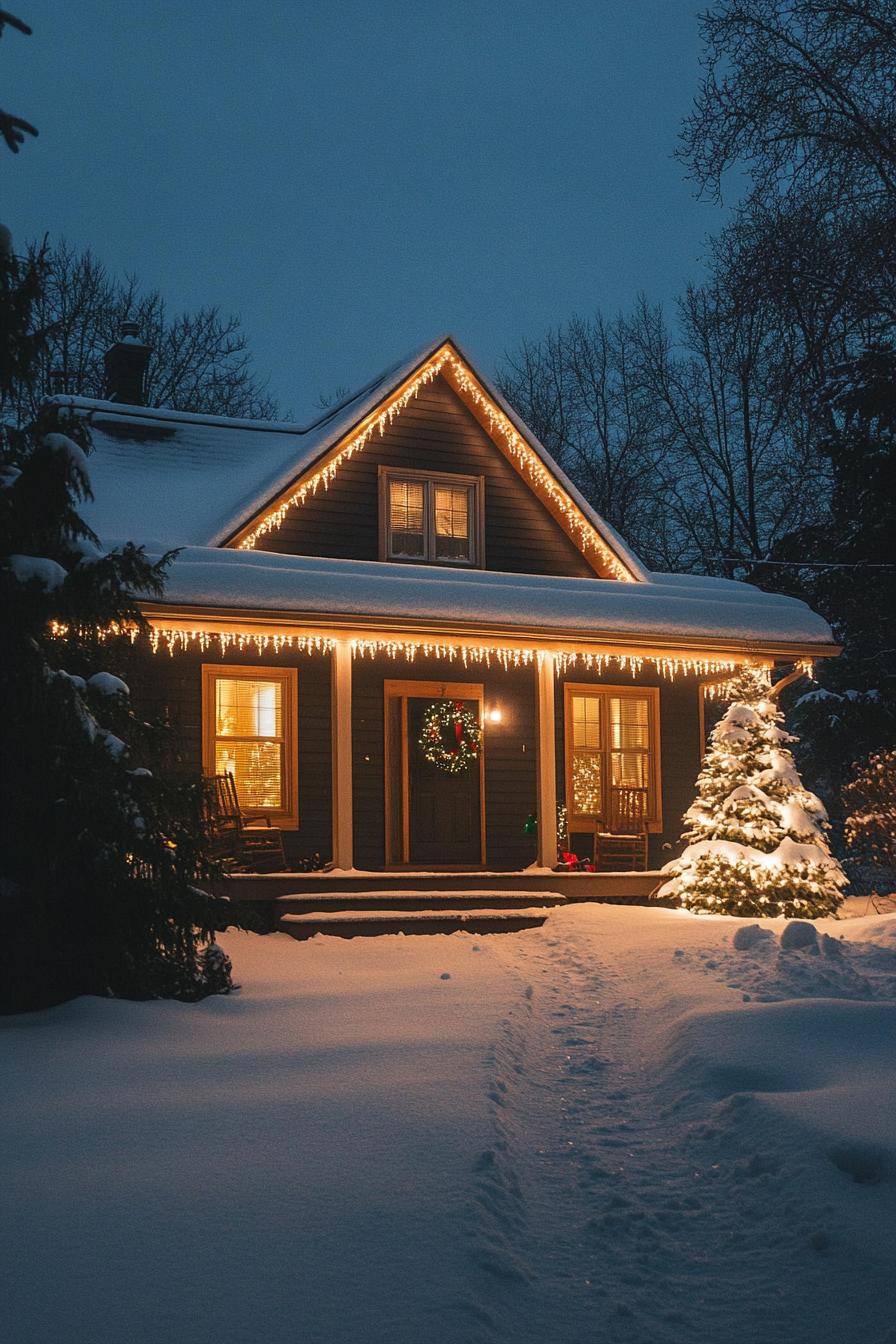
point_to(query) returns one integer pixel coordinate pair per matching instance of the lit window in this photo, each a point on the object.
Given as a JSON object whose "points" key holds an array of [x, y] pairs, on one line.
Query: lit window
{"points": [[430, 518], [249, 733], [406, 519], [612, 752]]}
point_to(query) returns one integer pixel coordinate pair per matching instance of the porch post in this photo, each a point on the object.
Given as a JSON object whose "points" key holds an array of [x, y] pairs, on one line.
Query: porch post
{"points": [[547, 763], [341, 716]]}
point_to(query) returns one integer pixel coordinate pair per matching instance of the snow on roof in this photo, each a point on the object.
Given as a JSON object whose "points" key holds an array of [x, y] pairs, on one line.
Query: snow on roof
{"points": [[187, 479], [688, 608]]}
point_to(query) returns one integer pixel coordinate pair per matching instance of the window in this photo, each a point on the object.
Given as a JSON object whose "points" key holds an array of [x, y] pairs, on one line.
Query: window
{"points": [[430, 518], [612, 752], [249, 731]]}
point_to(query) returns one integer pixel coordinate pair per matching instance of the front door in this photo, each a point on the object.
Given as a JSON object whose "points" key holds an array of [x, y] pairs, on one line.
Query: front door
{"points": [[443, 821], [437, 815]]}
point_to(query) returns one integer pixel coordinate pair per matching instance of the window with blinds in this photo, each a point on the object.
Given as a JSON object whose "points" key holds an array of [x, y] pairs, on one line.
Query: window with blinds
{"points": [[406, 519], [452, 522], [612, 750], [249, 733], [430, 518]]}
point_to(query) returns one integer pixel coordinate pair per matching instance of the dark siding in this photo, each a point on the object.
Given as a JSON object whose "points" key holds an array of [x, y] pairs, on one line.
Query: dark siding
{"points": [[435, 432], [161, 685], [680, 748], [509, 755], [172, 687]]}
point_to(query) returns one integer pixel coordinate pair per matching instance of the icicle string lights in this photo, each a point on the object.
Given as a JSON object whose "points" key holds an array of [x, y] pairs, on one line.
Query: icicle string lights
{"points": [[499, 426], [175, 639], [178, 639]]}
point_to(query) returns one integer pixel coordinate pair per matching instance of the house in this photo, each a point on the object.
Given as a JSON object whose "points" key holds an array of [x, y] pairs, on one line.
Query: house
{"points": [[353, 600]]}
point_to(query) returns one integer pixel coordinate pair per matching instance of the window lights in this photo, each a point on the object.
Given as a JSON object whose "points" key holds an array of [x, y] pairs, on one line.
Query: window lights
{"points": [[612, 745], [430, 518], [249, 731]]}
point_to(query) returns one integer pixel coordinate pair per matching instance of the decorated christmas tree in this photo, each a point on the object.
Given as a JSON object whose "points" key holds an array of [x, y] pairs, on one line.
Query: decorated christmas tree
{"points": [[756, 838]]}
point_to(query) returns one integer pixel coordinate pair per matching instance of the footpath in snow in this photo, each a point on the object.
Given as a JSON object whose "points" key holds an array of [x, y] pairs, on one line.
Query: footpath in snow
{"points": [[618, 1127]]}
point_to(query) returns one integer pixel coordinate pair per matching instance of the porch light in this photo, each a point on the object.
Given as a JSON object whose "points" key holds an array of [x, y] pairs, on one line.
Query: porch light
{"points": [[493, 715]]}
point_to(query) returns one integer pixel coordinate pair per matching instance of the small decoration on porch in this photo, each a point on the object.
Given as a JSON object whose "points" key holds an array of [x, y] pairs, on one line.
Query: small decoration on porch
{"points": [[450, 736], [756, 837], [571, 863], [562, 826]]}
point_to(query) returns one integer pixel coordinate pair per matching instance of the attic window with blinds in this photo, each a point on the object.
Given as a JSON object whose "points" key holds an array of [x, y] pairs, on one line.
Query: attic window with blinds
{"points": [[430, 518], [612, 753], [249, 732]]}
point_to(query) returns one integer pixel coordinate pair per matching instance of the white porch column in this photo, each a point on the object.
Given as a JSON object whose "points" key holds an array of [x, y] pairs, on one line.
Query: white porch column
{"points": [[547, 762], [341, 716]]}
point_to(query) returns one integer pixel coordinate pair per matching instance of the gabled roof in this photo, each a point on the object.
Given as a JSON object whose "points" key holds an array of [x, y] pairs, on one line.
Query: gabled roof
{"points": [[173, 478]]}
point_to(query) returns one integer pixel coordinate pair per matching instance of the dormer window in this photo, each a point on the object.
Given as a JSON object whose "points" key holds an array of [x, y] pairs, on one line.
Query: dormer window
{"points": [[430, 517]]}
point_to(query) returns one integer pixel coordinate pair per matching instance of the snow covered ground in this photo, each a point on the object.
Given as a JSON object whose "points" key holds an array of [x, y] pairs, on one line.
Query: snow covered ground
{"points": [[618, 1127]]}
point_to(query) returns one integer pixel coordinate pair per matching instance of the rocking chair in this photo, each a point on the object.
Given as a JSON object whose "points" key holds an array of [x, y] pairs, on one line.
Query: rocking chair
{"points": [[239, 842], [623, 847]]}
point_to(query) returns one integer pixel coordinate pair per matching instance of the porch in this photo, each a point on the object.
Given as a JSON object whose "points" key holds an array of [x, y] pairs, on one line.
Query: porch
{"points": [[616, 888]]}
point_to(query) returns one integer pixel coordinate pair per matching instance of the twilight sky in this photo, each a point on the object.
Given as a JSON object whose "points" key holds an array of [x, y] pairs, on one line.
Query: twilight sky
{"points": [[356, 177]]}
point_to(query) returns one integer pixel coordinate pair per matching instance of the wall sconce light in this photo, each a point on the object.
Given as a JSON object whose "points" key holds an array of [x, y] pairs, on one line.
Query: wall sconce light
{"points": [[493, 715]]}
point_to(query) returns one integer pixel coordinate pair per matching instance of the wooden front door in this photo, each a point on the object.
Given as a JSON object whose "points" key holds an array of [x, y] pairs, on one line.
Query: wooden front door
{"points": [[434, 819]]}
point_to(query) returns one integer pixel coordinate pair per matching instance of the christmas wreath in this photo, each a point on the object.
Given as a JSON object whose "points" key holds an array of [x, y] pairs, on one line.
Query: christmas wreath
{"points": [[450, 736]]}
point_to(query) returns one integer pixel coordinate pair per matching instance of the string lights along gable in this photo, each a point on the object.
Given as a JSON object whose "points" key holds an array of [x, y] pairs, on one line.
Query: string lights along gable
{"points": [[500, 427]]}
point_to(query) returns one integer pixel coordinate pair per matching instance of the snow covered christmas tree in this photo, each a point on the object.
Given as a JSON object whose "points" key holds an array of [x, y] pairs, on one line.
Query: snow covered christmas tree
{"points": [[756, 838]]}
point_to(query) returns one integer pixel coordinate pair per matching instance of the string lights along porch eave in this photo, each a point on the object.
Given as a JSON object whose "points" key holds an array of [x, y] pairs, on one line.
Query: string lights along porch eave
{"points": [[261, 627], [597, 549]]}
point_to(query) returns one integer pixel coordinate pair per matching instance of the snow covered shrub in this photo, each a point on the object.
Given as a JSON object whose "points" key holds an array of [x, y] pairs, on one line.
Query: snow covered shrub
{"points": [[214, 971], [102, 850], [756, 838], [870, 801]]}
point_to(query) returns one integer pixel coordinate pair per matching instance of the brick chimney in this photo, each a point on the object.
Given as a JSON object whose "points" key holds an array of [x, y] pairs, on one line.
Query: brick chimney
{"points": [[126, 366]]}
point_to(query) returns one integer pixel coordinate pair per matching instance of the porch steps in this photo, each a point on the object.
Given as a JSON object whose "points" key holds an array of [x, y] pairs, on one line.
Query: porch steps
{"points": [[356, 914]]}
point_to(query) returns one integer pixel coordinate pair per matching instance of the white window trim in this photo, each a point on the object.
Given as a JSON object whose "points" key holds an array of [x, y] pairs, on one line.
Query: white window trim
{"points": [[430, 480]]}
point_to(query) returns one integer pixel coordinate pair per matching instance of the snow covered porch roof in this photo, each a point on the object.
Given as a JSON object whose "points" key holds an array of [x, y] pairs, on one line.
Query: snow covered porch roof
{"points": [[211, 588]]}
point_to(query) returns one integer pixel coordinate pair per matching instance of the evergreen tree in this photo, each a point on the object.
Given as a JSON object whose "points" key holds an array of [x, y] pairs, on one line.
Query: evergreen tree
{"points": [[101, 854], [844, 569], [870, 801], [756, 842]]}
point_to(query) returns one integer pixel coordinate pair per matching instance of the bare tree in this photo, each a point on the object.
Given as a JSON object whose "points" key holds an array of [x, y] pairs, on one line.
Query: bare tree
{"points": [[578, 389], [200, 361], [800, 93], [693, 440], [737, 467]]}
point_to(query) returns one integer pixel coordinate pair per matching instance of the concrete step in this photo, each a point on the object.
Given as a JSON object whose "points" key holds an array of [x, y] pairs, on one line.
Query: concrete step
{"points": [[371, 923], [399, 899]]}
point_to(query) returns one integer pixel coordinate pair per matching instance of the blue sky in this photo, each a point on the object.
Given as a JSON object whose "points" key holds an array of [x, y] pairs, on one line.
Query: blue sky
{"points": [[355, 178]]}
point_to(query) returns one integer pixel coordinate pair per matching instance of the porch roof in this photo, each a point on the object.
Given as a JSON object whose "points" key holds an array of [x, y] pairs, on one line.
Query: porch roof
{"points": [[670, 608]]}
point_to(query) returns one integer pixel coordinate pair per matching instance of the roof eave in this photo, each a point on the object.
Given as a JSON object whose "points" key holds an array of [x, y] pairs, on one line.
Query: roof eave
{"points": [[347, 626]]}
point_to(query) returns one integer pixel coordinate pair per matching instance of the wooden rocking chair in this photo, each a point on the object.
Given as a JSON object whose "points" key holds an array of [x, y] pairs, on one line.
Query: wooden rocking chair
{"points": [[239, 842], [623, 847]]}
